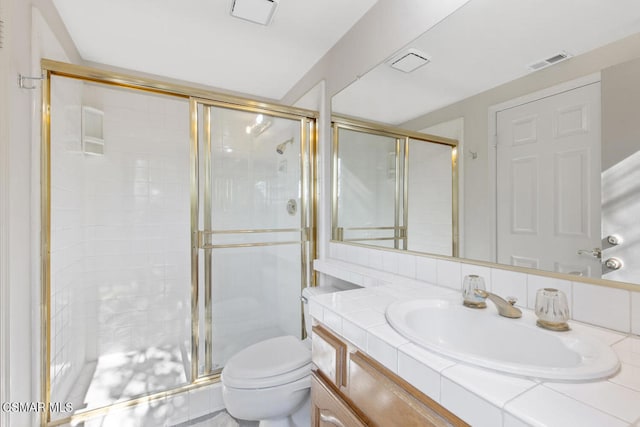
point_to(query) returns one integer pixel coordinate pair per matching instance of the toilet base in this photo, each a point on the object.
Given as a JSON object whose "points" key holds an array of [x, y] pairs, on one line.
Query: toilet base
{"points": [[300, 418]]}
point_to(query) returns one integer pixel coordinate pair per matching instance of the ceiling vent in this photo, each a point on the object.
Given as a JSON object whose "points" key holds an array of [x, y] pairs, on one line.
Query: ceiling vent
{"points": [[409, 60], [258, 11], [559, 57]]}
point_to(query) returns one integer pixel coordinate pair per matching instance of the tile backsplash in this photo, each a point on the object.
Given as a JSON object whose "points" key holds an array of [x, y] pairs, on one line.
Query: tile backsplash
{"points": [[613, 308]]}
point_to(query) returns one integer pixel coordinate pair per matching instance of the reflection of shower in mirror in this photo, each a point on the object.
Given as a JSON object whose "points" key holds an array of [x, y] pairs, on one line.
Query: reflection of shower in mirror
{"points": [[283, 146]]}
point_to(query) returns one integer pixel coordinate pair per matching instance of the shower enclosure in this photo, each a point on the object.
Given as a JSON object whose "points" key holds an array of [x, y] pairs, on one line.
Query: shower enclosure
{"points": [[176, 231]]}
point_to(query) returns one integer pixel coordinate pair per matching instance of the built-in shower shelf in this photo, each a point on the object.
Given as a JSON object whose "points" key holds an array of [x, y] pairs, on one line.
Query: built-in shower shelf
{"points": [[92, 131]]}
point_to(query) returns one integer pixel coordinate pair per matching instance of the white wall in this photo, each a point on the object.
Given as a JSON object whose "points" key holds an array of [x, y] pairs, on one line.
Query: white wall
{"points": [[4, 220], [383, 30], [16, 201], [19, 216]]}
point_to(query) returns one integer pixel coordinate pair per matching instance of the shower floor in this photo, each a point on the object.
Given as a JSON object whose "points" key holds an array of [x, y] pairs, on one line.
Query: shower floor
{"points": [[123, 376], [120, 377]]}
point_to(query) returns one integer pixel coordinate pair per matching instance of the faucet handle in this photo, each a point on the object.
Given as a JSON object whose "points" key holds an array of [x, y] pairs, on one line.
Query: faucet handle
{"points": [[512, 300], [481, 293]]}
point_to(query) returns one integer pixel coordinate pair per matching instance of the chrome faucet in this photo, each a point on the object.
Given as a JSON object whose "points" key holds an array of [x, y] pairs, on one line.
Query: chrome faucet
{"points": [[505, 307]]}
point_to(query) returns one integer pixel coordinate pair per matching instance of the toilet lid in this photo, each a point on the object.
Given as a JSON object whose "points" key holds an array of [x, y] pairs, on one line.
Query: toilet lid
{"points": [[268, 363]]}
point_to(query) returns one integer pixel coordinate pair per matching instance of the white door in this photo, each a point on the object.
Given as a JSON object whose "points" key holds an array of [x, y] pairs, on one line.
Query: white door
{"points": [[548, 182]]}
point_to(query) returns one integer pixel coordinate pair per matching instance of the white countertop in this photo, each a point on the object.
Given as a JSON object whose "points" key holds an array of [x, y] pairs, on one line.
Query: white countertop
{"points": [[480, 396]]}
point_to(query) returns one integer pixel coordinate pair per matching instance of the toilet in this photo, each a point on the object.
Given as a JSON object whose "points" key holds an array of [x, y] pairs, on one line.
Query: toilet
{"points": [[270, 381]]}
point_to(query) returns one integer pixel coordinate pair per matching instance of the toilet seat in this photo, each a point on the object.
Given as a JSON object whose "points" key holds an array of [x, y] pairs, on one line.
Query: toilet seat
{"points": [[269, 363]]}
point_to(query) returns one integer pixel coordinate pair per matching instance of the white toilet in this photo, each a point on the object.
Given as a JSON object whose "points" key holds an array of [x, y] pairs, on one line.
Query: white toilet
{"points": [[270, 381]]}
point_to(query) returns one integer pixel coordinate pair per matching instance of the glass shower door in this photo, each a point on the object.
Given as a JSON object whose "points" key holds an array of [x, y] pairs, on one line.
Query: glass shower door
{"points": [[254, 243], [369, 179]]}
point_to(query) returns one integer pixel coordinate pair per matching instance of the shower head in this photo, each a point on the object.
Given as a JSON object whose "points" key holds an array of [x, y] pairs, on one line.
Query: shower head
{"points": [[281, 147]]}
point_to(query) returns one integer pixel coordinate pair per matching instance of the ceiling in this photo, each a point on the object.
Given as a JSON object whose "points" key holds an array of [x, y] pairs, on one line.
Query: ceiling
{"points": [[482, 45], [199, 41]]}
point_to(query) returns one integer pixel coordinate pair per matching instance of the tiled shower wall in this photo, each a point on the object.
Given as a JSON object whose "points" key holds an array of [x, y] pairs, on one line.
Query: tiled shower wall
{"points": [[68, 311], [120, 228], [137, 222], [429, 208]]}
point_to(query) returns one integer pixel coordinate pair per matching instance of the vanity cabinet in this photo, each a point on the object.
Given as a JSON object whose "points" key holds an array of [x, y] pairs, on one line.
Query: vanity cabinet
{"points": [[328, 408], [351, 389]]}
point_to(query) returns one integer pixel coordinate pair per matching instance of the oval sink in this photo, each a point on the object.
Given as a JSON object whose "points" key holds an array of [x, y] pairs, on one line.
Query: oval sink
{"points": [[514, 346]]}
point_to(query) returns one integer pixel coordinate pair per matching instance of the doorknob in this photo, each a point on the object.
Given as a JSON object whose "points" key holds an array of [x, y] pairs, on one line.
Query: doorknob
{"points": [[613, 264], [595, 252], [614, 240]]}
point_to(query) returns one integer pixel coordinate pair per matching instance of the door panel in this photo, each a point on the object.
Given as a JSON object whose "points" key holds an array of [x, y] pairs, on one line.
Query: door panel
{"points": [[548, 169], [254, 224]]}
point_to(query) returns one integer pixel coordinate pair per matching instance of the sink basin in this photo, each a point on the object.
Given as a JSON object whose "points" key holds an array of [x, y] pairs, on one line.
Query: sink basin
{"points": [[514, 346]]}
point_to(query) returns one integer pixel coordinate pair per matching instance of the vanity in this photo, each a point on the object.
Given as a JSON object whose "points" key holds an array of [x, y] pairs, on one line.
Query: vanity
{"points": [[349, 388], [366, 373]]}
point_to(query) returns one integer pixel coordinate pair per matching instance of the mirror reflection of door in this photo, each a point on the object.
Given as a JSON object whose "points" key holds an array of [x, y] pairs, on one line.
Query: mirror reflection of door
{"points": [[548, 169]]}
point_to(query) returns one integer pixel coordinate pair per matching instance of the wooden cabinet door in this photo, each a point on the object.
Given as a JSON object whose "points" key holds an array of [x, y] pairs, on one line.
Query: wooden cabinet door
{"points": [[329, 354], [328, 409], [389, 401]]}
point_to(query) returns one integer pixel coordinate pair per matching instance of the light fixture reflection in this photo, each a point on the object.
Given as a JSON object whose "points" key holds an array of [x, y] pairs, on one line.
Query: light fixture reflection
{"points": [[259, 126]]}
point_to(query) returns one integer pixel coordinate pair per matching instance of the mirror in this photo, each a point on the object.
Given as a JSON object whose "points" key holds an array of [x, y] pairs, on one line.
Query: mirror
{"points": [[521, 93], [377, 170]]}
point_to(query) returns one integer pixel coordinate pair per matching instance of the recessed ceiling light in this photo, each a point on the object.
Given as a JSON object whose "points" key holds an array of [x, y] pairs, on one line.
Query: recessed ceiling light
{"points": [[409, 60], [258, 11]]}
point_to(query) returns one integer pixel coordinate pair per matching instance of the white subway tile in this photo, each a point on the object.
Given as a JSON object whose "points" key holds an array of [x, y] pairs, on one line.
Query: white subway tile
{"points": [[339, 251], [354, 333], [388, 334], [407, 265], [316, 310], [361, 256], [628, 350], [351, 254], [332, 320], [496, 388], [426, 269], [366, 318], [375, 259], [628, 376], [542, 406], [448, 273], [382, 351], [605, 396], [356, 278], [378, 302], [390, 262], [509, 284], [511, 421], [431, 360], [468, 406], [602, 306], [420, 376]]}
